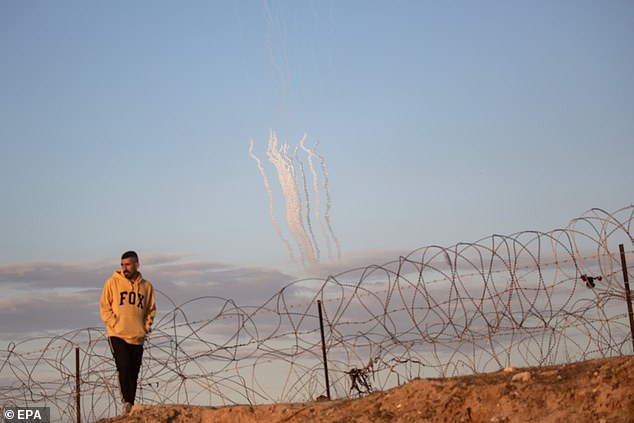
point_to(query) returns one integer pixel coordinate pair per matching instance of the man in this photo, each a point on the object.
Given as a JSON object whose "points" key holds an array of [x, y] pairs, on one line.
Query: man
{"points": [[127, 308]]}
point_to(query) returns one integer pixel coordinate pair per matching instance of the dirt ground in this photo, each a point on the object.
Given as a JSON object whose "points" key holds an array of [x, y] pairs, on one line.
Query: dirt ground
{"points": [[600, 391]]}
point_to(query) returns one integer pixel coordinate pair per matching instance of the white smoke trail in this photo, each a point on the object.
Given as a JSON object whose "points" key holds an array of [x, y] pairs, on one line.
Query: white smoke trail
{"points": [[327, 191], [276, 225], [317, 202], [307, 196], [289, 179], [285, 170], [303, 238]]}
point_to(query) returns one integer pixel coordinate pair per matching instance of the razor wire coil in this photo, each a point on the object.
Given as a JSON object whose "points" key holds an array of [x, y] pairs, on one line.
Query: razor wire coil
{"points": [[518, 300]]}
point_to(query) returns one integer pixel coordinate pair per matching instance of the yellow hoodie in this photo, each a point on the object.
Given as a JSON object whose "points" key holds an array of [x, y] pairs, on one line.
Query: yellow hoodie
{"points": [[127, 308]]}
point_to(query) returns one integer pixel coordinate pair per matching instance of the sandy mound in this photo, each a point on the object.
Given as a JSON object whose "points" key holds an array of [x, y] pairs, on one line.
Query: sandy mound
{"points": [[593, 391]]}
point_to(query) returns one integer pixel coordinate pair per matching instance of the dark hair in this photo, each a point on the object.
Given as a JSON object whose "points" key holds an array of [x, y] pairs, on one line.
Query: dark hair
{"points": [[130, 254]]}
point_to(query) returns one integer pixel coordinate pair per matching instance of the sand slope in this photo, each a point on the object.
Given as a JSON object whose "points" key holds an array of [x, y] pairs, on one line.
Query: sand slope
{"points": [[600, 391]]}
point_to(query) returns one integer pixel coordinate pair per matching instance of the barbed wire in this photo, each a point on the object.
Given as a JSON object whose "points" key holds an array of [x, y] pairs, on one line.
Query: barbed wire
{"points": [[528, 299]]}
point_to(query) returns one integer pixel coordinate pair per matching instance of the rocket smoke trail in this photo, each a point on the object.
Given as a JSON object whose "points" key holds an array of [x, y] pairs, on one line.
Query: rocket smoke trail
{"points": [[294, 186], [276, 225], [285, 170], [316, 190], [327, 191], [307, 196]]}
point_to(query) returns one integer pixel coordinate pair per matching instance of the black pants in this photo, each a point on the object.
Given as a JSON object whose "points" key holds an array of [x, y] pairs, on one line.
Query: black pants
{"points": [[127, 357]]}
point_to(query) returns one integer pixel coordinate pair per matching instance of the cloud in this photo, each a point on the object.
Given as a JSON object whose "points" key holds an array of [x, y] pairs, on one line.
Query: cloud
{"points": [[51, 275], [40, 297], [33, 275], [192, 279], [47, 297], [40, 313], [355, 260]]}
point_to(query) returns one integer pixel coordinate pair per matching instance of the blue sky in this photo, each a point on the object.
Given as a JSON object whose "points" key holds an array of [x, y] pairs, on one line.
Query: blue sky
{"points": [[127, 125]]}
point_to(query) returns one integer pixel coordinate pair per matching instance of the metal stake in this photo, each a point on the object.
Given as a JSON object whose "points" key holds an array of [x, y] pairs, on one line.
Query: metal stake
{"points": [[628, 295], [323, 348], [77, 384]]}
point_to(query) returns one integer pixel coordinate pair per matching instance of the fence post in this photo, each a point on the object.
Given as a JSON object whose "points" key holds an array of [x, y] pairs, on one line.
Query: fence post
{"points": [[628, 295], [323, 349], [77, 378]]}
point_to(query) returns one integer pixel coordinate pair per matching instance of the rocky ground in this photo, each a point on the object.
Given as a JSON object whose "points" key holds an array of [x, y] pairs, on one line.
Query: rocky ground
{"points": [[600, 391]]}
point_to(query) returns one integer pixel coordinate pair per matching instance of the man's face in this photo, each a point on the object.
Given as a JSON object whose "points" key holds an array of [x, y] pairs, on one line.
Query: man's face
{"points": [[129, 267]]}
